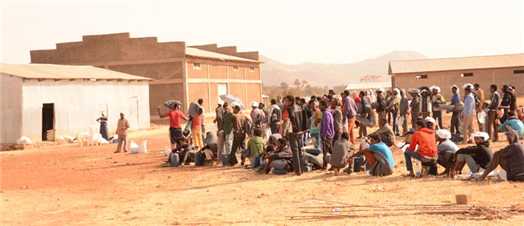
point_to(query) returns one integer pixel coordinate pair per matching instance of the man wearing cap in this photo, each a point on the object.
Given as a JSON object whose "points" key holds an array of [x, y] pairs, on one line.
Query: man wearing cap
{"points": [[510, 158], [425, 105], [455, 119], [493, 115], [430, 123], [427, 150], [477, 156], [257, 114], [415, 110], [437, 99], [121, 131], [446, 148], [479, 95], [381, 108], [469, 113]]}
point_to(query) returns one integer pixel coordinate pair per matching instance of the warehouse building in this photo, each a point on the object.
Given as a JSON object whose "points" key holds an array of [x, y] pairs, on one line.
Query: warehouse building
{"points": [[485, 70], [180, 72], [43, 101]]}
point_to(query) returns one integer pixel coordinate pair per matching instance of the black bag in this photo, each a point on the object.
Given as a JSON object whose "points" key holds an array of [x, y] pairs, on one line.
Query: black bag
{"points": [[276, 115]]}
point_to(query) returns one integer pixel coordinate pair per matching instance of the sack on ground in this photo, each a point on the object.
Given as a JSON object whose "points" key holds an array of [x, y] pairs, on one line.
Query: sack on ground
{"points": [[135, 149]]}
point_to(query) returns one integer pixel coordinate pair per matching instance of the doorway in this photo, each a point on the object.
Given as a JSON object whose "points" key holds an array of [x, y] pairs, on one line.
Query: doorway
{"points": [[222, 89], [48, 121]]}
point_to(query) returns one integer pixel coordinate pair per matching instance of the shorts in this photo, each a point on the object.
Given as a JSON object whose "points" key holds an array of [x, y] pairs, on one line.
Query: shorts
{"points": [[174, 134]]}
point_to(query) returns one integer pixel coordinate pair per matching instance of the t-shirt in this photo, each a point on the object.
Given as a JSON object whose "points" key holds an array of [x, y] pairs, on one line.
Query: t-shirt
{"points": [[256, 145], [384, 150], [197, 122], [226, 123], [175, 117], [447, 146]]}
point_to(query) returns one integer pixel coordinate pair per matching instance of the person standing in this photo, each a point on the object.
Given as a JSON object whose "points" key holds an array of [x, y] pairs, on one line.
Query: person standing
{"points": [[393, 108], [455, 119], [493, 114], [415, 109], [505, 103], [469, 113], [350, 112], [337, 117], [366, 108], [327, 131], [381, 108], [298, 125], [404, 110], [103, 126], [227, 127], [203, 123], [121, 131], [219, 113], [275, 117], [480, 105], [239, 136], [437, 99], [425, 103], [196, 128], [175, 123]]}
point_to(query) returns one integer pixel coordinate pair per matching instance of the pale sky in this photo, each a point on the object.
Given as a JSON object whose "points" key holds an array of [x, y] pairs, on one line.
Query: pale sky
{"points": [[292, 32]]}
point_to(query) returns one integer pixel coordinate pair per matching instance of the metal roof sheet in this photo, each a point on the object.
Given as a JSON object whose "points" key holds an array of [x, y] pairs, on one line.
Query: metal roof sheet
{"points": [[368, 85], [461, 63], [190, 51], [54, 71]]}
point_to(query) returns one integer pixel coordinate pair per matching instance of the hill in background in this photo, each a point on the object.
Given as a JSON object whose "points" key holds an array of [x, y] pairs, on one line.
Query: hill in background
{"points": [[274, 72]]}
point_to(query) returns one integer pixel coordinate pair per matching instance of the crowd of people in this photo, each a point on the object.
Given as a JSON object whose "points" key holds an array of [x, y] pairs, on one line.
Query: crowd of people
{"points": [[297, 135]]}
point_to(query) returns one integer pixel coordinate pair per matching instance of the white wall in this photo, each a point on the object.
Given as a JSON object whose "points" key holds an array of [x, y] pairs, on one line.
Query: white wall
{"points": [[78, 105], [10, 108]]}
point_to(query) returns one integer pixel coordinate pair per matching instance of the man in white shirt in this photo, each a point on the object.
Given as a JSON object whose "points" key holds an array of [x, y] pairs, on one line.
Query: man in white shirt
{"points": [[469, 113]]}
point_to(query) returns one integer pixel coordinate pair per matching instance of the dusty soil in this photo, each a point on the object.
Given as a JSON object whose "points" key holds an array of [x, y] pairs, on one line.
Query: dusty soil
{"points": [[69, 185]]}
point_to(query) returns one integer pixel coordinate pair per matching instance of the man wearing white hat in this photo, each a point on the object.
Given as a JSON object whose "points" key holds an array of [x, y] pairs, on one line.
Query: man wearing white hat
{"points": [[425, 106], [446, 148], [437, 99], [430, 123], [477, 156]]}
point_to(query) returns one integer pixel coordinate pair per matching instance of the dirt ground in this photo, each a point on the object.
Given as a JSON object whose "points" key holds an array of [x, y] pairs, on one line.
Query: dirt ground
{"points": [[69, 185]]}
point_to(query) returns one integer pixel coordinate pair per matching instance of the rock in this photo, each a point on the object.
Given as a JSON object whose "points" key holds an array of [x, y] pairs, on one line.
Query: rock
{"points": [[23, 187], [463, 199]]}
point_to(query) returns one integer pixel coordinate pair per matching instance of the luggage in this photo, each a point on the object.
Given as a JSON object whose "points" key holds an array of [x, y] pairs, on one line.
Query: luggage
{"points": [[313, 151], [307, 168], [280, 164], [199, 159], [174, 159], [279, 172], [225, 159]]}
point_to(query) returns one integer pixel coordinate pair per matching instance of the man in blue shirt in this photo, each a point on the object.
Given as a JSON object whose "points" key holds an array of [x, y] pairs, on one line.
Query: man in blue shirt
{"points": [[455, 101], [514, 123], [376, 146], [469, 113]]}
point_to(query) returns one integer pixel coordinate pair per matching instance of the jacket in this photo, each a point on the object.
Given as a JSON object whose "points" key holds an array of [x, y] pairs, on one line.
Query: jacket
{"points": [[404, 105], [429, 105], [337, 117], [425, 139], [481, 153], [298, 118]]}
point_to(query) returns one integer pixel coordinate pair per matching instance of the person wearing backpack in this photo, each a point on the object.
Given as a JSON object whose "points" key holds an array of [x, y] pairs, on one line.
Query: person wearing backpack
{"points": [[239, 135], [275, 117]]}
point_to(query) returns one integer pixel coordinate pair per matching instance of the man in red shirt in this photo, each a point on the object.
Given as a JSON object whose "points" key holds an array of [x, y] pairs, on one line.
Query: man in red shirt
{"points": [[175, 123], [427, 146]]}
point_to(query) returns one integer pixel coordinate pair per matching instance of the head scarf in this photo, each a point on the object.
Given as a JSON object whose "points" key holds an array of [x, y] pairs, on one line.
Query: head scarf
{"points": [[512, 134], [443, 134]]}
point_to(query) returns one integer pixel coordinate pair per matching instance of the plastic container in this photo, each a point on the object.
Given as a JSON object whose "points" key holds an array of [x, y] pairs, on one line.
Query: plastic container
{"points": [[279, 172], [417, 169], [174, 159]]}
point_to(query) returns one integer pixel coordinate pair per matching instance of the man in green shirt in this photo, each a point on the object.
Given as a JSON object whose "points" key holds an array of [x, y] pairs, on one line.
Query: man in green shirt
{"points": [[255, 148], [227, 126]]}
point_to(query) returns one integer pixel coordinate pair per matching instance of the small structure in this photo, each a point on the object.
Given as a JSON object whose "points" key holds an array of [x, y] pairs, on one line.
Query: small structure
{"points": [[42, 99], [364, 86], [485, 70], [184, 73]]}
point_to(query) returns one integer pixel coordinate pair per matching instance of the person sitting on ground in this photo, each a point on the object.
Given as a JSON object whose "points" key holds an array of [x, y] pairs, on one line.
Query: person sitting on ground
{"points": [[273, 139], [283, 151], [510, 158], [183, 150], [475, 156], [515, 124], [379, 157], [446, 148], [341, 152], [255, 147], [385, 132], [427, 150], [430, 123], [210, 148]]}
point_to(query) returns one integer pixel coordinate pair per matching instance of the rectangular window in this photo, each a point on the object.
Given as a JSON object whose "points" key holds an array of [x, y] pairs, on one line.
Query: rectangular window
{"points": [[235, 68], [466, 75], [252, 69], [197, 66], [518, 72], [421, 77]]}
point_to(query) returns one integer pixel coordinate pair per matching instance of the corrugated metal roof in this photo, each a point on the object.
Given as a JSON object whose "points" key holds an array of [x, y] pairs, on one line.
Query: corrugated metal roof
{"points": [[54, 71], [368, 85], [207, 54], [451, 64]]}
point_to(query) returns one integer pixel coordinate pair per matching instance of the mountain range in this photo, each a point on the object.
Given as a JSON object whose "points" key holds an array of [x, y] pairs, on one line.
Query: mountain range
{"points": [[317, 74]]}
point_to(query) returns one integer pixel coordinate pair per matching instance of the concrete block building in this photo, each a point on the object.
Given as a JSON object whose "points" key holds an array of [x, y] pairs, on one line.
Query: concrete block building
{"points": [[67, 100], [485, 70], [180, 72]]}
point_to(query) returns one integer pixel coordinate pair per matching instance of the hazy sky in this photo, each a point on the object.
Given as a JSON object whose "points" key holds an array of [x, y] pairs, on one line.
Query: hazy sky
{"points": [[287, 31]]}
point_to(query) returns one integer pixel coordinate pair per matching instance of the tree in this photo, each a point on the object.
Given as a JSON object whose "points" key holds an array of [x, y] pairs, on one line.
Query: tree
{"points": [[370, 78], [339, 89], [297, 83], [304, 83], [284, 86]]}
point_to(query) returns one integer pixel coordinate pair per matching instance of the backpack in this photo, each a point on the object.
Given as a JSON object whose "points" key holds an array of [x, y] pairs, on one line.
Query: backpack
{"points": [[276, 115]]}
